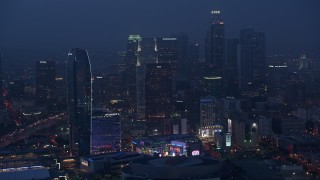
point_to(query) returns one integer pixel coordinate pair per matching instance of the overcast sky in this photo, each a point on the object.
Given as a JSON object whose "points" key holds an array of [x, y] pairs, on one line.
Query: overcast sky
{"points": [[36, 28]]}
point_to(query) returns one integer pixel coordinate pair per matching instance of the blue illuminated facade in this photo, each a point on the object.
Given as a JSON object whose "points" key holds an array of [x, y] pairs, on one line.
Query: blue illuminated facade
{"points": [[106, 132]]}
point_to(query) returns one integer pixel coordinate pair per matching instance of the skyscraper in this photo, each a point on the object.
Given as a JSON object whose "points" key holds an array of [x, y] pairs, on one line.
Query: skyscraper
{"points": [[130, 73], [196, 68], [99, 90], [122, 61], [106, 87], [210, 117], [79, 101], [277, 75], [215, 44], [182, 55], [61, 85], [167, 49], [168, 52], [45, 81], [230, 74], [232, 53], [252, 60], [159, 97], [193, 61], [146, 54], [212, 86], [214, 57]]}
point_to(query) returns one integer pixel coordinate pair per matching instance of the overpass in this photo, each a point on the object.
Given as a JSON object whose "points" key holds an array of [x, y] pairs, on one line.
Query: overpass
{"points": [[28, 130]]}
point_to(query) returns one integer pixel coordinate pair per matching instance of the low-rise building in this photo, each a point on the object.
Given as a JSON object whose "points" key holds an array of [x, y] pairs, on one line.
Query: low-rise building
{"points": [[174, 168], [107, 163], [169, 145]]}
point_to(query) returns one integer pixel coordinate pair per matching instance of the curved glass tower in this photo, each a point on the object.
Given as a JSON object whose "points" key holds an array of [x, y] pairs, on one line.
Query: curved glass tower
{"points": [[79, 101]]}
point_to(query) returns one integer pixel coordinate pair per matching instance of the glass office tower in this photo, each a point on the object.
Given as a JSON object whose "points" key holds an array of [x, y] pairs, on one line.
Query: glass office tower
{"points": [[79, 101]]}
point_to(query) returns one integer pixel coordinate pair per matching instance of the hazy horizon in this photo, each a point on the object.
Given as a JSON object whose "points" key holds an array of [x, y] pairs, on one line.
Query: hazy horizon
{"points": [[40, 29]]}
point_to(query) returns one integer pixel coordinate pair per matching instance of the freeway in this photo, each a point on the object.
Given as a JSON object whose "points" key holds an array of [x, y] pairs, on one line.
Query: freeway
{"points": [[28, 130]]}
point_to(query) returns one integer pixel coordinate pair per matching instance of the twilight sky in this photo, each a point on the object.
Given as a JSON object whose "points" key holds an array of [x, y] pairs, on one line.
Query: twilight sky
{"points": [[34, 29]]}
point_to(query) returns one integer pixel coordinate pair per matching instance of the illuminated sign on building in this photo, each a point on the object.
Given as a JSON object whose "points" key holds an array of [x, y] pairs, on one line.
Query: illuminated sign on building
{"points": [[228, 139], [215, 12], [195, 153], [229, 125], [169, 39], [280, 66], [84, 163]]}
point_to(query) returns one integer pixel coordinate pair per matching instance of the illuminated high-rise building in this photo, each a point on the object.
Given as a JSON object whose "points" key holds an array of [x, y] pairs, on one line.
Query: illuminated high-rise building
{"points": [[214, 57], [130, 72], [106, 88], [168, 53], [106, 132], [146, 54], [99, 90], [215, 44], [45, 81], [211, 118], [79, 101], [167, 49], [159, 103]]}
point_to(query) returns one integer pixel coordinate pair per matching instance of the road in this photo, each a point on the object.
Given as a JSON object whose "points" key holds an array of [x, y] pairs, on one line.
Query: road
{"points": [[28, 130]]}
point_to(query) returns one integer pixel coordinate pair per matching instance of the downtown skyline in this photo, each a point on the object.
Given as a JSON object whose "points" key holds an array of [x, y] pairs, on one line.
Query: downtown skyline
{"points": [[44, 29], [159, 89]]}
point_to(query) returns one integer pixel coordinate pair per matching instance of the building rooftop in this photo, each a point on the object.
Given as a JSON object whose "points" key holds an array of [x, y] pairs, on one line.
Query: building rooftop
{"points": [[254, 169], [153, 140], [179, 161], [302, 139], [24, 173], [114, 156], [175, 168]]}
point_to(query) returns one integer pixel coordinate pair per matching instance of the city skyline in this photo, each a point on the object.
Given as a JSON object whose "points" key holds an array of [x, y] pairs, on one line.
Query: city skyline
{"points": [[159, 89], [40, 28]]}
